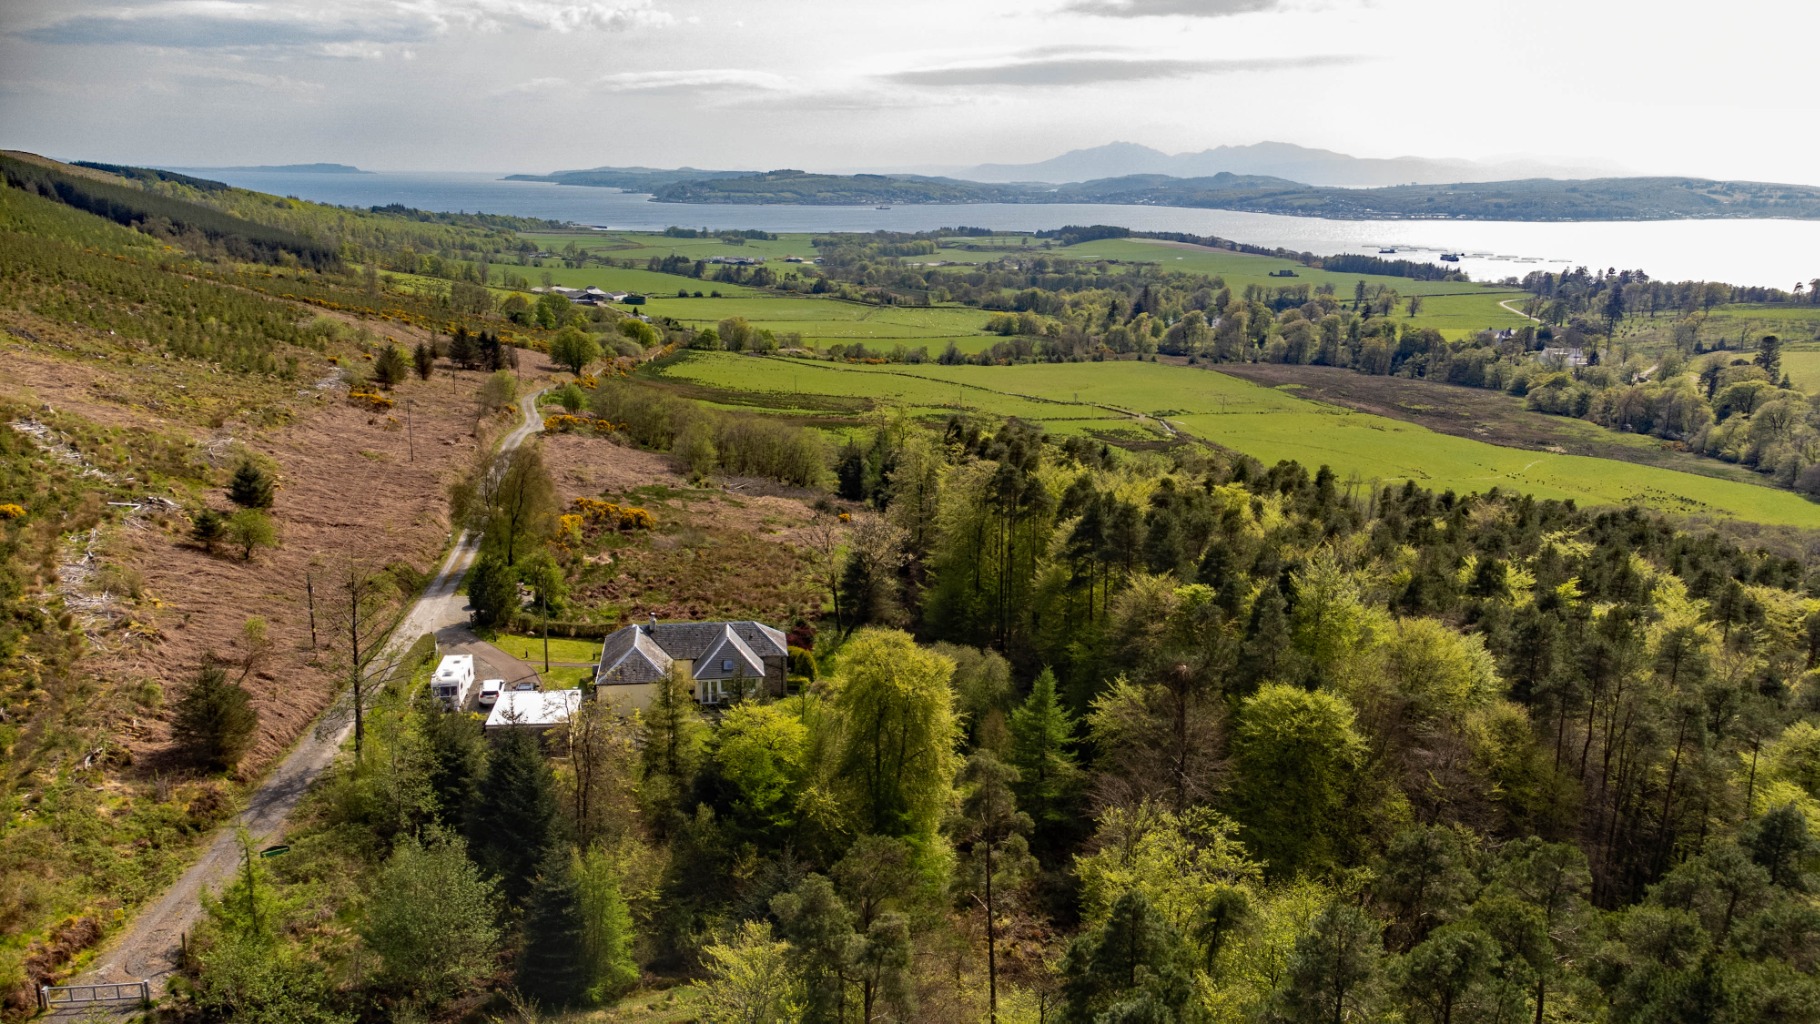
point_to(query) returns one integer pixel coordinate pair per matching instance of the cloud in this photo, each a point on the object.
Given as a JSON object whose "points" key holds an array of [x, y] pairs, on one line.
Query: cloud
{"points": [[700, 80], [229, 77], [534, 85], [328, 26], [1167, 8], [1087, 70]]}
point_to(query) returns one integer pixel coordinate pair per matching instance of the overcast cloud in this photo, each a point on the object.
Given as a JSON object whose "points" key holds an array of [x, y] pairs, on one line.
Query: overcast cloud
{"points": [[533, 85]]}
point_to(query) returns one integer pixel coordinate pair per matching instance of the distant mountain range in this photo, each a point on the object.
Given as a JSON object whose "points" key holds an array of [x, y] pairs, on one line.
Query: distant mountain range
{"points": [[1271, 159], [284, 169]]}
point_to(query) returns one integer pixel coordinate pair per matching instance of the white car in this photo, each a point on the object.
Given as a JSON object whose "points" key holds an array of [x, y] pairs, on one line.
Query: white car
{"points": [[489, 691]]}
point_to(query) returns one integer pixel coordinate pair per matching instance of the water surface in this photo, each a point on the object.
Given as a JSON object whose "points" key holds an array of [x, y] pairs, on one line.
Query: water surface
{"points": [[1759, 252]]}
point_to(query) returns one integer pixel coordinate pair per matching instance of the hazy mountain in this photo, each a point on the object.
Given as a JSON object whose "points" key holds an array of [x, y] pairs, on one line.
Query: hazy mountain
{"points": [[1270, 159]]}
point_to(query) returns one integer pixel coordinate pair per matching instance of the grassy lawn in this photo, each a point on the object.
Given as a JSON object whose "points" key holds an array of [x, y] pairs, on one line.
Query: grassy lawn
{"points": [[1266, 423], [530, 648]]}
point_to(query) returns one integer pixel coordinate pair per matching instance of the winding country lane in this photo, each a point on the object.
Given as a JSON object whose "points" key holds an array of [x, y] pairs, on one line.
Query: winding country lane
{"points": [[150, 947]]}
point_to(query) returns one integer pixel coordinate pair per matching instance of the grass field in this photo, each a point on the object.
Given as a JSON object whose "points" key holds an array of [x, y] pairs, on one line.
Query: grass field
{"points": [[1803, 368], [821, 320], [1265, 423], [1455, 308], [641, 245]]}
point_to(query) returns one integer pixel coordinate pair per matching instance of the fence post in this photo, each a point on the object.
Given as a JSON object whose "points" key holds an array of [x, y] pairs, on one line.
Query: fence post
{"points": [[44, 997]]}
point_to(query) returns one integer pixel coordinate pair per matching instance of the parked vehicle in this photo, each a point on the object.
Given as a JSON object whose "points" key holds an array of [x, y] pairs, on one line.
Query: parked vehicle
{"points": [[453, 680], [489, 691], [525, 685]]}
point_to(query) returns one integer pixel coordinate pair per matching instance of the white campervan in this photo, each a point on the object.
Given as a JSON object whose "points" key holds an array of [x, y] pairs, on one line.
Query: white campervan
{"points": [[452, 681]]}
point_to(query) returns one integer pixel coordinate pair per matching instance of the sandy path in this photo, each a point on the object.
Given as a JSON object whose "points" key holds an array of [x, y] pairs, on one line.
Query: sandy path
{"points": [[149, 948]]}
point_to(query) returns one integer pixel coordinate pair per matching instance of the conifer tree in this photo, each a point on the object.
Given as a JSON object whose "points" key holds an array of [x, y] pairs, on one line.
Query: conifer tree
{"points": [[1131, 968], [553, 967], [457, 760], [251, 487], [819, 928], [423, 359], [214, 719], [462, 350], [389, 367], [1042, 733], [515, 819], [991, 830]]}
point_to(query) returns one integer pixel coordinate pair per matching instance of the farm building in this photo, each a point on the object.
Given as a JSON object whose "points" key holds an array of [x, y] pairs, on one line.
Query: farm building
{"points": [[724, 659]]}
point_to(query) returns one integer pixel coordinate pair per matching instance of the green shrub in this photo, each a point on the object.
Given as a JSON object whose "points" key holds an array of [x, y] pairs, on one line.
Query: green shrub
{"points": [[250, 528]]}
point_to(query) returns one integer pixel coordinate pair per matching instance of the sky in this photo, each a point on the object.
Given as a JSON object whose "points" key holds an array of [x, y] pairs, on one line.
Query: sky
{"points": [[1672, 87]]}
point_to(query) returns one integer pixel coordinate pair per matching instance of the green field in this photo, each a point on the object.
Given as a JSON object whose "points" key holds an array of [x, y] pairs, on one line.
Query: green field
{"points": [[641, 245], [1265, 423], [821, 320], [1457, 309], [1803, 368]]}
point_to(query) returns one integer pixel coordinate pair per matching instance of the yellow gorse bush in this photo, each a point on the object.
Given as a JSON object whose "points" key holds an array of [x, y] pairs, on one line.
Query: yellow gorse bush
{"points": [[594, 512], [369, 400], [562, 423]]}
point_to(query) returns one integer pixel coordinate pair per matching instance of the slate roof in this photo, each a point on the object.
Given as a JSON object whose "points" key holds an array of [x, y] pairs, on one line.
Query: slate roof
{"points": [[729, 659], [643, 654], [629, 657]]}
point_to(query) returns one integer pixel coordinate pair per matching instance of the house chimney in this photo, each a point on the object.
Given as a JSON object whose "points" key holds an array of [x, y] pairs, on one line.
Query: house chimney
{"points": [[653, 627]]}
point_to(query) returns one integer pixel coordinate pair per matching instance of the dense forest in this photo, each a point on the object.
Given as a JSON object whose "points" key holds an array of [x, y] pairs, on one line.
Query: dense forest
{"points": [[1092, 735]]}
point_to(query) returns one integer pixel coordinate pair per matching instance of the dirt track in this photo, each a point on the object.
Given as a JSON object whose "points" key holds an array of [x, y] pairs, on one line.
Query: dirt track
{"points": [[149, 948]]}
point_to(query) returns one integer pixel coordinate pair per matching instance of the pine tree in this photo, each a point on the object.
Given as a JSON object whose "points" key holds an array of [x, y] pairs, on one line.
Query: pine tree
{"points": [[820, 930], [423, 358], [1042, 731], [553, 967], [457, 760], [991, 831], [462, 350], [1133, 967], [390, 367], [514, 822], [1333, 974], [207, 528], [251, 486], [214, 719]]}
